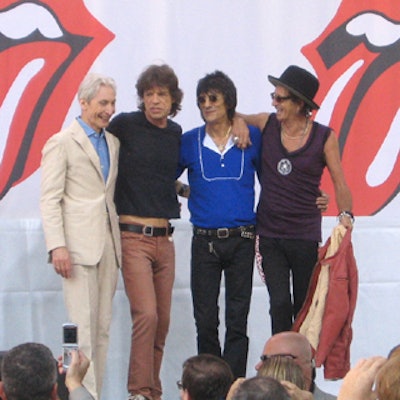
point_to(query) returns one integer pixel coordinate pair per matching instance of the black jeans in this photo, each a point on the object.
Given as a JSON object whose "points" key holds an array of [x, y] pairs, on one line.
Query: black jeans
{"points": [[210, 257], [285, 260]]}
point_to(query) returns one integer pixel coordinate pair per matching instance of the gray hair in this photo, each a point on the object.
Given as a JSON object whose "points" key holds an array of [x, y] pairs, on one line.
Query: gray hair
{"points": [[261, 388], [29, 372], [92, 84]]}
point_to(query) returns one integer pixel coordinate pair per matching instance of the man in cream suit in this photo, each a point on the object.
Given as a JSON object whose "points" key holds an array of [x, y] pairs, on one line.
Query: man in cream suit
{"points": [[79, 169]]}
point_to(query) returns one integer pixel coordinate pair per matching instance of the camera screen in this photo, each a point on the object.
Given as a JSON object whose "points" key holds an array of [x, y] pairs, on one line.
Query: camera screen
{"points": [[70, 335]]}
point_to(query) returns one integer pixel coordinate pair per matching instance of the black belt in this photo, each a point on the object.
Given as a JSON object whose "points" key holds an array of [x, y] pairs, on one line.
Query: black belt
{"points": [[247, 232], [147, 230]]}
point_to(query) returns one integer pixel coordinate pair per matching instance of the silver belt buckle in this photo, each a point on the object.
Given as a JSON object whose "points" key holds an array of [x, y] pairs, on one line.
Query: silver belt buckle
{"points": [[222, 233], [148, 230], [246, 234]]}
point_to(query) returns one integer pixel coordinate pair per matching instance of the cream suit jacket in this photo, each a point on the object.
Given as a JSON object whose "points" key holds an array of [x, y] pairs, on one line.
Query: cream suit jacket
{"points": [[76, 204]]}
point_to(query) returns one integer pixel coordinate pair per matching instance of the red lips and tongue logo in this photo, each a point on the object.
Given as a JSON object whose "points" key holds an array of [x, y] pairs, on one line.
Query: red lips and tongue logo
{"points": [[46, 48], [357, 60]]}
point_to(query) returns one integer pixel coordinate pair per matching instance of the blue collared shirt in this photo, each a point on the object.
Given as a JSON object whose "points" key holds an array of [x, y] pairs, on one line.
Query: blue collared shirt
{"points": [[100, 144]]}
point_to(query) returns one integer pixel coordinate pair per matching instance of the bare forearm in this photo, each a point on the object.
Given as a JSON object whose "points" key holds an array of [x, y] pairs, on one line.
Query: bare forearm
{"points": [[344, 199], [345, 206], [259, 120], [343, 196]]}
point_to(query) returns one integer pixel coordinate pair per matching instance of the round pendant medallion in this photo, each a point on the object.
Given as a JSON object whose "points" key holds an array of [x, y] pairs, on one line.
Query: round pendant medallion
{"points": [[284, 166]]}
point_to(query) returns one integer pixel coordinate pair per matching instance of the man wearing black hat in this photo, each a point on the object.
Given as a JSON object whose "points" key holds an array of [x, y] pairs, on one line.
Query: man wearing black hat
{"points": [[295, 151]]}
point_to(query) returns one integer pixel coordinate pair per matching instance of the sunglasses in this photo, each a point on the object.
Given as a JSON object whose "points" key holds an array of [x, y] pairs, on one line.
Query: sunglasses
{"points": [[179, 384], [265, 357], [213, 98], [280, 99]]}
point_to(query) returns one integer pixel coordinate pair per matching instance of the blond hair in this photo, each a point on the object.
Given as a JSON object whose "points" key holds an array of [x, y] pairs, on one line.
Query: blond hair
{"points": [[283, 369]]}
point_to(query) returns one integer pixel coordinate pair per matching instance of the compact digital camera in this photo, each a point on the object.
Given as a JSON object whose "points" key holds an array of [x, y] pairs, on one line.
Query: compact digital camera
{"points": [[70, 342]]}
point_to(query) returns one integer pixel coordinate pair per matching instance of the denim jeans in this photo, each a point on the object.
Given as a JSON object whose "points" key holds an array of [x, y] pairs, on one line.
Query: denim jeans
{"points": [[286, 260], [233, 256]]}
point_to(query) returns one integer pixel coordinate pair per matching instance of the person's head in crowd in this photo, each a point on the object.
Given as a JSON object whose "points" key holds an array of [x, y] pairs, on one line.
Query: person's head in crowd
{"points": [[29, 372], [283, 368], [205, 377], [395, 351], [162, 81], [261, 388], [387, 383], [292, 345], [218, 88]]}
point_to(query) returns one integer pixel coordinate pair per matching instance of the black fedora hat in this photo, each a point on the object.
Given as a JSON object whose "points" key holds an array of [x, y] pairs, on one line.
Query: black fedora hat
{"points": [[300, 82]]}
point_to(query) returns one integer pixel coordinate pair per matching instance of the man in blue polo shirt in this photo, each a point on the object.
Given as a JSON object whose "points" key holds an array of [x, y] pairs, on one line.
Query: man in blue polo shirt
{"points": [[221, 203]]}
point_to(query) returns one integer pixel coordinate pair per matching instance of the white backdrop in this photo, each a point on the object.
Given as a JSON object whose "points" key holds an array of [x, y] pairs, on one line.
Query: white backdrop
{"points": [[248, 40]]}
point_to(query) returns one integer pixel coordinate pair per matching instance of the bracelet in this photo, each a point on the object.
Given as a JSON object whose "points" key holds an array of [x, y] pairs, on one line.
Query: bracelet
{"points": [[346, 214]]}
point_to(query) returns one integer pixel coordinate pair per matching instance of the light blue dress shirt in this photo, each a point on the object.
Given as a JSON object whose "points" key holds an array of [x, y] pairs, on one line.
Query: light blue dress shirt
{"points": [[99, 142]]}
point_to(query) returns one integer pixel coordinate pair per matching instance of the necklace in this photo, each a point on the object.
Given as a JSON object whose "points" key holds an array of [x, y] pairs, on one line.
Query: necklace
{"points": [[286, 136], [221, 146]]}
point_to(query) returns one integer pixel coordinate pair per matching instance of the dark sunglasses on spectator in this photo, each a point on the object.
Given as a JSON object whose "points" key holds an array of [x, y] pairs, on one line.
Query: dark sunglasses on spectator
{"points": [[265, 357]]}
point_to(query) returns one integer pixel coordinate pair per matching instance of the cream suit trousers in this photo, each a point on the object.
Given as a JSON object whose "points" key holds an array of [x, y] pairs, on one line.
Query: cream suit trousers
{"points": [[88, 297]]}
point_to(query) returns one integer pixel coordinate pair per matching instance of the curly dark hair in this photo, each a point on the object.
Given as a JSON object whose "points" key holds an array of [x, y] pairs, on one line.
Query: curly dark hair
{"points": [[163, 76], [305, 110], [220, 82]]}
